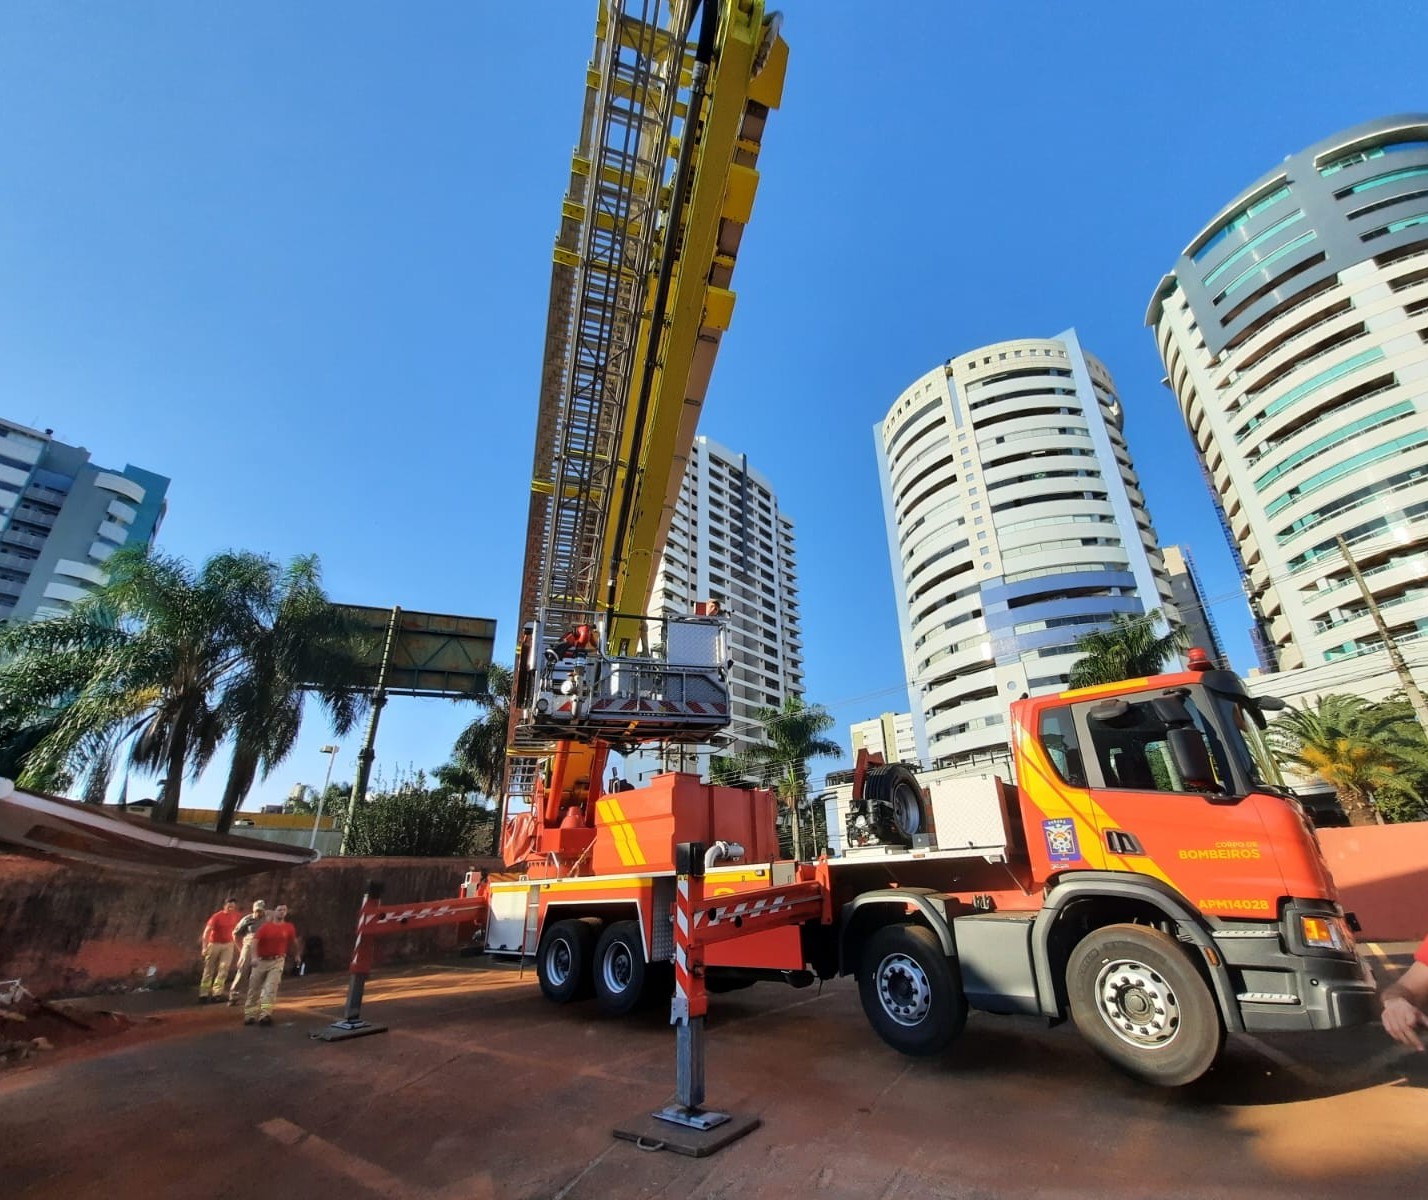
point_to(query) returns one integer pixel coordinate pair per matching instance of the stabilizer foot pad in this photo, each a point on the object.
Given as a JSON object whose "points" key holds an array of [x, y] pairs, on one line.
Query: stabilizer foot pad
{"points": [[340, 1031], [650, 1133]]}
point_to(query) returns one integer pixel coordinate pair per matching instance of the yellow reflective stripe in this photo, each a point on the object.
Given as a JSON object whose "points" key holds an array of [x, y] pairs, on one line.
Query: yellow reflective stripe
{"points": [[627, 846]]}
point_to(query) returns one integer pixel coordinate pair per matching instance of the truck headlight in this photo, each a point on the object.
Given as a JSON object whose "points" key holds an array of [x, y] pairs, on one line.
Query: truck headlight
{"points": [[1325, 933]]}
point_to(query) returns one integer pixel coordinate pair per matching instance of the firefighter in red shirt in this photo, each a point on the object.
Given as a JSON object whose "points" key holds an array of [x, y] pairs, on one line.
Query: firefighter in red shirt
{"points": [[271, 943], [217, 947], [1405, 1001]]}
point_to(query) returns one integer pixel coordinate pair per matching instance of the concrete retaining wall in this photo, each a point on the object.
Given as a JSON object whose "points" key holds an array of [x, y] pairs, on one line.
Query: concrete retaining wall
{"points": [[69, 932]]}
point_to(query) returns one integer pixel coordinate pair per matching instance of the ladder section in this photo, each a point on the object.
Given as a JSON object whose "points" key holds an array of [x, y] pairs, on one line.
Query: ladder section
{"points": [[603, 259]]}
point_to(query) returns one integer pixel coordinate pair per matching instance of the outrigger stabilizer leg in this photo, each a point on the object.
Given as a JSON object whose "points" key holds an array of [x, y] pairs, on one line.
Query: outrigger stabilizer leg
{"points": [[685, 1125]]}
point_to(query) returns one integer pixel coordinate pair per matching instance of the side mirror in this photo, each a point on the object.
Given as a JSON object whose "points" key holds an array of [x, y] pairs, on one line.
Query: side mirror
{"points": [[1192, 760], [1271, 703]]}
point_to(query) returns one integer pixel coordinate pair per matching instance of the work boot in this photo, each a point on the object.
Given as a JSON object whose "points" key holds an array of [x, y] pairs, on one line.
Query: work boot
{"points": [[265, 1020], [250, 1020], [232, 1001], [203, 999]]}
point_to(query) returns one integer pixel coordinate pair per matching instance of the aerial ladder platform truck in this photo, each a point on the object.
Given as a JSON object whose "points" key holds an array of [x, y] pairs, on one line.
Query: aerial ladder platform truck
{"points": [[1143, 873]]}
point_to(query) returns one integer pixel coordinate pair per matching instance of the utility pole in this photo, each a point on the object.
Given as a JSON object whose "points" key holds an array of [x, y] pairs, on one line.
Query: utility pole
{"points": [[1405, 677]]}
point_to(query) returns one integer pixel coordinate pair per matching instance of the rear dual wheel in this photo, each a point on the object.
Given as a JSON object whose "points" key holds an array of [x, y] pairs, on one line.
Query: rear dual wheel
{"points": [[621, 973], [563, 960], [581, 957]]}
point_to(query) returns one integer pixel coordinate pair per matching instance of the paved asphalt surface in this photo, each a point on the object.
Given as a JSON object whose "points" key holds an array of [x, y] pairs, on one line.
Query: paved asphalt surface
{"points": [[482, 1089]]}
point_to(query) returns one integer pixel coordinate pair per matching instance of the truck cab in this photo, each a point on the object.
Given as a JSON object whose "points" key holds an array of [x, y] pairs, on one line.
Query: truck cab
{"points": [[1154, 881]]}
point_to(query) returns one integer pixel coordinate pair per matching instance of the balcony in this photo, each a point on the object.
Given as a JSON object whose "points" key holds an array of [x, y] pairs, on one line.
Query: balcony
{"points": [[45, 495], [34, 516], [17, 537]]}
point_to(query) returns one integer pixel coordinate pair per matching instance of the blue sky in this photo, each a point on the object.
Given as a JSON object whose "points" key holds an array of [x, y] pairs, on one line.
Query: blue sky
{"points": [[297, 258]]}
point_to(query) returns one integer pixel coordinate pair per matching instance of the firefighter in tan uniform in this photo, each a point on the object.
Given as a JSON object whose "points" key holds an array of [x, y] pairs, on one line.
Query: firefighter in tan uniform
{"points": [[271, 944], [243, 938], [217, 946]]}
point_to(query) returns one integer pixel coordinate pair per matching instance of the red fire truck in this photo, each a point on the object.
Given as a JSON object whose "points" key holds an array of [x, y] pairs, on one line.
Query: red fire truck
{"points": [[1147, 875]]}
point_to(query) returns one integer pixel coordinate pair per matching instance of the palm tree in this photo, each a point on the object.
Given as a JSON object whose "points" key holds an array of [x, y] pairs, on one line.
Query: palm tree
{"points": [[296, 641], [795, 735], [1364, 750], [145, 655], [478, 759], [727, 770], [1129, 649], [161, 656]]}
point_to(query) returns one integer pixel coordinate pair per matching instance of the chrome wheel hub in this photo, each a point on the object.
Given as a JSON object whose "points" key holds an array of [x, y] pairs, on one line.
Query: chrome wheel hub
{"points": [[557, 962], [904, 989], [617, 968], [1138, 1003]]}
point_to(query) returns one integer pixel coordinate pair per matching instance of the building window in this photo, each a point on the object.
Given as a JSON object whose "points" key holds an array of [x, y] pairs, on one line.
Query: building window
{"points": [[1360, 156], [1236, 221], [1253, 244], [1264, 264], [1309, 386], [1058, 738]]}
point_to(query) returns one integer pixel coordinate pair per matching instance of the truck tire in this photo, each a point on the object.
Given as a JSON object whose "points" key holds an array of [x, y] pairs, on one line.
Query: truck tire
{"points": [[1139, 1001], [620, 972], [563, 960], [895, 804], [911, 992]]}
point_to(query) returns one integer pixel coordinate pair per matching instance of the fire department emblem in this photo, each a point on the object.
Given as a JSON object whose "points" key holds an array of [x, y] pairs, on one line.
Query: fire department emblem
{"points": [[1061, 843]]}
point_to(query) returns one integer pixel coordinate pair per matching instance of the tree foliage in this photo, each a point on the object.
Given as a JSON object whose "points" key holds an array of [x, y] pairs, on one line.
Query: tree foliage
{"points": [[1129, 649], [1373, 754], [478, 759], [295, 643], [173, 660], [413, 819]]}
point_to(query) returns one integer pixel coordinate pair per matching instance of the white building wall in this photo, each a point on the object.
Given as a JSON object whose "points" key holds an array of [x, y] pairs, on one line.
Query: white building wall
{"points": [[1306, 398], [729, 541], [1015, 523]]}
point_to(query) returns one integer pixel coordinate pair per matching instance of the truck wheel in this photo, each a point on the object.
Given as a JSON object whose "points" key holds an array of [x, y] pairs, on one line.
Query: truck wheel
{"points": [[911, 991], [620, 969], [895, 804], [1140, 1002], [563, 960]]}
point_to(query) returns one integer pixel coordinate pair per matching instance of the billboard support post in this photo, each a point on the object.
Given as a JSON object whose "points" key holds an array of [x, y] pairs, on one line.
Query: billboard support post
{"points": [[369, 743]]}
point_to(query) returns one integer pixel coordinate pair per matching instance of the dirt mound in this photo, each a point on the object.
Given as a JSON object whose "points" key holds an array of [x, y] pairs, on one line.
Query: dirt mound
{"points": [[29, 1027]]}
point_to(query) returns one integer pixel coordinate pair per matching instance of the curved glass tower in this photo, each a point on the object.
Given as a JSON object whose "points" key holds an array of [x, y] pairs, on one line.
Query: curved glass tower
{"points": [[1294, 332], [1015, 524]]}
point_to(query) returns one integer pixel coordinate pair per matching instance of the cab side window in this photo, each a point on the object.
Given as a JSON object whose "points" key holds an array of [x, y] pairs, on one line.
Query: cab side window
{"points": [[1058, 738], [1131, 742]]}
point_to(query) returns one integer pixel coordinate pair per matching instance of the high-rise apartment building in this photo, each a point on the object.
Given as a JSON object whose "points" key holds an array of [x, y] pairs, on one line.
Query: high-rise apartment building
{"points": [[729, 542], [61, 517], [1294, 331], [893, 735], [1015, 524], [1192, 605]]}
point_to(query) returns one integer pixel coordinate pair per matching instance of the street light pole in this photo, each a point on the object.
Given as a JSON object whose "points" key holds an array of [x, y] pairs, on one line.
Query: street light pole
{"points": [[331, 752]]}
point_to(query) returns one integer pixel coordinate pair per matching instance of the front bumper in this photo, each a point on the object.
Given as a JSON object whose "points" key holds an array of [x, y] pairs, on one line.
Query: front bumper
{"points": [[1281, 992]]}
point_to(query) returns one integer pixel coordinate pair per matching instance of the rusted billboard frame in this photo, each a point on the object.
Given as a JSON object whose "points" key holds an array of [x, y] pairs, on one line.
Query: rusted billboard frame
{"points": [[416, 654]]}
